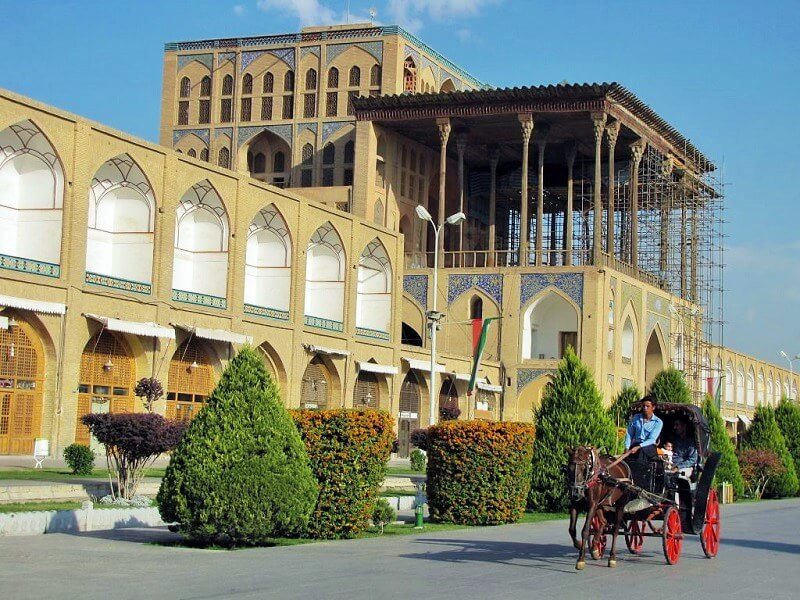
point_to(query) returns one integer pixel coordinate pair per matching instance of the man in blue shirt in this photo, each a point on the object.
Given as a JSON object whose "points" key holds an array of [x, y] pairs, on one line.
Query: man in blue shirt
{"points": [[641, 439]]}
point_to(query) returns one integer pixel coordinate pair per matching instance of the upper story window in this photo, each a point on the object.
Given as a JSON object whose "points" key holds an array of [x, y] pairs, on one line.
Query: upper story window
{"points": [[186, 87], [227, 85], [333, 78], [409, 75], [269, 83], [375, 76], [288, 81], [205, 86], [355, 77], [311, 79], [247, 84]]}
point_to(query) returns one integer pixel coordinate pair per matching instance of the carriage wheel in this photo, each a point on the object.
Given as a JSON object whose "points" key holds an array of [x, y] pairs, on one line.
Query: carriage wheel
{"points": [[709, 536], [598, 539], [672, 537], [634, 539]]}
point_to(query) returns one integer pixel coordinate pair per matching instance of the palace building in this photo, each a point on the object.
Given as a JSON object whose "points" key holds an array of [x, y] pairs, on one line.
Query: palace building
{"points": [[279, 210]]}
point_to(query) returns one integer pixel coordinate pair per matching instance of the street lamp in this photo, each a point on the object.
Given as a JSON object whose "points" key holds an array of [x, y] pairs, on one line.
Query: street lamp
{"points": [[790, 361], [433, 316]]}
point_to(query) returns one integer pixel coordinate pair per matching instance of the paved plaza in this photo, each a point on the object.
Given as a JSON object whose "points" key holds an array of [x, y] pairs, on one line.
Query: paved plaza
{"points": [[758, 559]]}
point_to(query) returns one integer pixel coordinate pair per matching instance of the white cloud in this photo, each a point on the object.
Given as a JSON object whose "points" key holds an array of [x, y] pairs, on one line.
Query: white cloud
{"points": [[412, 14], [239, 9], [309, 12], [464, 34]]}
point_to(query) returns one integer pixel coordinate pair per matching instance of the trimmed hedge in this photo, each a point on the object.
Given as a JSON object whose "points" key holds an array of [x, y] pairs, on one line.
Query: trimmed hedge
{"points": [[348, 451], [729, 469], [787, 414], [240, 475], [79, 458], [670, 386], [765, 434], [479, 473]]}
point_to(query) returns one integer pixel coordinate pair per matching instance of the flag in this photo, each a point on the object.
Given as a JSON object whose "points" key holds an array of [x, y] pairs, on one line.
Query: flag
{"points": [[718, 395], [478, 353]]}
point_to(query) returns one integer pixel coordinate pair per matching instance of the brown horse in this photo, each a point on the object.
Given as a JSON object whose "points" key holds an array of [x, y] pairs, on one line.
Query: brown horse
{"points": [[586, 471]]}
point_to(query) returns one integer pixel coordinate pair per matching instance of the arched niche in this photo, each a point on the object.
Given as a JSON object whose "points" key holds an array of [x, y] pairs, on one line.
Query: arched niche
{"points": [[320, 385], [730, 383], [413, 328], [448, 86], [462, 310], [653, 356], [268, 261], [325, 268], [371, 391], [190, 381], [201, 243], [411, 395], [31, 194], [448, 397], [549, 325], [374, 294], [751, 388], [268, 158], [273, 363], [529, 398], [122, 211], [740, 389]]}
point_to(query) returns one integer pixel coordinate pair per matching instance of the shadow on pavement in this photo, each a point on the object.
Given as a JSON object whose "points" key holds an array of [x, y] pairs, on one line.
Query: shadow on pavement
{"points": [[763, 545], [136, 535]]}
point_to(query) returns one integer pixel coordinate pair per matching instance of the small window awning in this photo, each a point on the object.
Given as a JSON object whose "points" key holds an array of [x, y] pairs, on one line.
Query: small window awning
{"points": [[312, 348], [467, 377], [46, 308], [744, 419], [729, 419], [217, 335], [422, 365], [376, 368], [488, 387], [147, 329], [3, 322]]}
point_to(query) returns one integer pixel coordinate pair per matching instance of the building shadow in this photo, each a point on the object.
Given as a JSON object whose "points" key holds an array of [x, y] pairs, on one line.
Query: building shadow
{"points": [[762, 545], [128, 531]]}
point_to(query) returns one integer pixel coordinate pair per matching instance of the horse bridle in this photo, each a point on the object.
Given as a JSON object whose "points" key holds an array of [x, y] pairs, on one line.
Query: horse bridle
{"points": [[590, 477]]}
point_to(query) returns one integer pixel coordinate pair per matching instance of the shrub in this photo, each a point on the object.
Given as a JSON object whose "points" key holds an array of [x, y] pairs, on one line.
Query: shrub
{"points": [[758, 468], [132, 441], [479, 472], [419, 439], [571, 414], [788, 417], [348, 451], [80, 459], [383, 514], [150, 390], [728, 468], [418, 460], [449, 413], [241, 474], [670, 386], [764, 434]]}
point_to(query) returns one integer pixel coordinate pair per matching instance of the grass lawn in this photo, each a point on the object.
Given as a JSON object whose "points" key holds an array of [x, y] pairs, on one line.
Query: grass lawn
{"points": [[402, 471], [61, 474], [16, 507], [394, 492]]}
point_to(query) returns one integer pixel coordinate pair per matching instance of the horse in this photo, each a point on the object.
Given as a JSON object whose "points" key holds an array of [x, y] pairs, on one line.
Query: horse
{"points": [[586, 471]]}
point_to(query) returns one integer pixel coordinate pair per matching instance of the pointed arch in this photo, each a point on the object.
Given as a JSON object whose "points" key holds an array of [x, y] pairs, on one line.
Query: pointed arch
{"points": [[740, 388], [374, 294], [268, 261], [550, 323], [410, 409], [190, 380], [447, 86], [319, 386], [333, 78], [378, 215], [761, 391], [413, 325], [274, 364], [31, 195], [325, 270], [750, 396], [476, 307], [271, 167], [730, 383], [654, 355], [409, 75], [611, 339], [122, 209], [202, 230]]}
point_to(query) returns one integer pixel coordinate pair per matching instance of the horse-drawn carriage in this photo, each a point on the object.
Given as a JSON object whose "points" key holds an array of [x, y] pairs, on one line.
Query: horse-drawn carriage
{"points": [[680, 501]]}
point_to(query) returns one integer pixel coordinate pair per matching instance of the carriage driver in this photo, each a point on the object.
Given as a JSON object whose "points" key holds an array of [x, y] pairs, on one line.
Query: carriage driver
{"points": [[641, 438]]}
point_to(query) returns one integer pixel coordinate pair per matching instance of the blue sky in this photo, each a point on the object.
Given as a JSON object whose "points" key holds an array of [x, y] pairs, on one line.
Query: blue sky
{"points": [[724, 73]]}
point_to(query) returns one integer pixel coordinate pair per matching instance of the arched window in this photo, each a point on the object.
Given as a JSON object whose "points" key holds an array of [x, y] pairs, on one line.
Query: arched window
{"points": [[31, 196], [333, 78], [269, 83], [204, 154], [409, 75], [375, 76], [730, 382], [192, 152], [377, 216], [186, 87], [288, 81], [315, 386], [611, 324], [325, 269], [259, 163], [122, 212], [205, 86], [311, 79], [476, 307], [268, 262], [762, 398], [409, 413], [200, 264], [247, 84], [349, 159], [374, 299], [191, 380], [549, 325], [740, 389], [628, 342], [355, 77], [224, 158], [279, 162], [328, 160], [367, 391], [307, 165], [770, 391], [227, 85], [751, 387]]}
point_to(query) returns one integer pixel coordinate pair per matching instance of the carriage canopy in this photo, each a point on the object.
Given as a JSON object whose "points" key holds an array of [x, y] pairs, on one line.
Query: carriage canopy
{"points": [[669, 412]]}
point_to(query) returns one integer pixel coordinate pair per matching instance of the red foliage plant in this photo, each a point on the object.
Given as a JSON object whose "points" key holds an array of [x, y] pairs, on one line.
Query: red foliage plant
{"points": [[758, 466]]}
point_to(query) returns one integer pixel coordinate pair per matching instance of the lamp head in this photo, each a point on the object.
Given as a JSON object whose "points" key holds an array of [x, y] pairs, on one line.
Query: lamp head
{"points": [[423, 213], [456, 218], [784, 355]]}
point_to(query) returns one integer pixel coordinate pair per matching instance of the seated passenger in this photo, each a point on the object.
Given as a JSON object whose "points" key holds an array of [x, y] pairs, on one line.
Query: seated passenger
{"points": [[685, 453], [666, 453]]}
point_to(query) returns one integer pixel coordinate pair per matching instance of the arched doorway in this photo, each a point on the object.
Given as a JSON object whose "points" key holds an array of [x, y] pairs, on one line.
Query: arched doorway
{"points": [[315, 390], [409, 413], [448, 400], [550, 325], [653, 359], [107, 379], [191, 380], [21, 389], [367, 393]]}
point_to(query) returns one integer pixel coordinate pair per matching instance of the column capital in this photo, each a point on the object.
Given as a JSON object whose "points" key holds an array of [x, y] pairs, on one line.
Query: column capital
{"points": [[667, 166], [637, 150], [526, 122], [443, 124], [571, 153], [612, 133], [599, 124]]}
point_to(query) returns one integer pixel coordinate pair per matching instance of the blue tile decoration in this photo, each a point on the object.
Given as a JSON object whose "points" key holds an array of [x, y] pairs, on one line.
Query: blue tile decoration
{"points": [[199, 299], [266, 312], [284, 54], [372, 334], [223, 131], [306, 50], [569, 283], [652, 320], [312, 127], [456, 81], [321, 323], [525, 376], [412, 52], [205, 59], [328, 129], [490, 283], [249, 57], [282, 131], [118, 283], [223, 57], [631, 293], [179, 134], [375, 49], [416, 286], [656, 303], [27, 265]]}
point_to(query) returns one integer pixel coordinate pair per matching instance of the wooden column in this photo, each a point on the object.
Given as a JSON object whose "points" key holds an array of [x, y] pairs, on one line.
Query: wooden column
{"points": [[637, 151], [461, 146], [494, 158], [540, 203], [612, 132], [572, 152], [526, 122], [598, 123], [443, 125]]}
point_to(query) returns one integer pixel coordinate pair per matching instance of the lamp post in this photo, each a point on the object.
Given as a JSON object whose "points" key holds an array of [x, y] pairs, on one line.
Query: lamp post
{"points": [[433, 316], [791, 367]]}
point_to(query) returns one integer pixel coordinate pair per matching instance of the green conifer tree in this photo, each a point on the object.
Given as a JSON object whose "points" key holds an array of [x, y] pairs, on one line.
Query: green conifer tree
{"points": [[728, 468], [788, 417], [670, 386], [619, 412], [571, 414], [241, 474], [764, 434]]}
